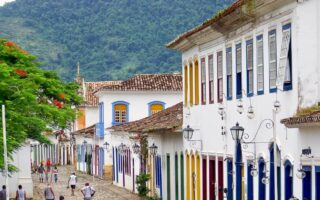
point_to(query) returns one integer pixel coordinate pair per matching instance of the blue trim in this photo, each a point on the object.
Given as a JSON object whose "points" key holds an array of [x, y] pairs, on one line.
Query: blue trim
{"points": [[117, 165], [288, 180], [273, 32], [272, 180], [260, 37], [317, 177], [238, 164], [238, 74], [113, 160], [260, 92], [261, 186], [249, 42], [229, 179], [229, 49], [155, 102], [249, 181], [286, 26], [307, 183], [100, 126], [113, 111]]}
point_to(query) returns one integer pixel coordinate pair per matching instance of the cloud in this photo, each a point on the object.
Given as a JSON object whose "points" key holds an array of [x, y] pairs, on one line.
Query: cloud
{"points": [[2, 2]]}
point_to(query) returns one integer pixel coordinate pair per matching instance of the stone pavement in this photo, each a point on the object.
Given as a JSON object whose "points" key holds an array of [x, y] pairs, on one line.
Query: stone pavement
{"points": [[104, 188]]}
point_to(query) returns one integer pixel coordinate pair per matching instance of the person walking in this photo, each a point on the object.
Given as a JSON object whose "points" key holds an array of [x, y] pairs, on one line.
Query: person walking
{"points": [[55, 174], [21, 193], [87, 192], [72, 182], [3, 193], [48, 193], [41, 171]]}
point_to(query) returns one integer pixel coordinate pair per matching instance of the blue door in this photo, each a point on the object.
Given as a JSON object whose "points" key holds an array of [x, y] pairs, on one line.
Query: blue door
{"points": [[261, 186], [288, 180], [317, 170], [250, 181], [230, 179], [307, 184]]}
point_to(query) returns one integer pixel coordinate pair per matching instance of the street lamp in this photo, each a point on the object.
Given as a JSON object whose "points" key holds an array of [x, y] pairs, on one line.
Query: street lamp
{"points": [[250, 113], [301, 174], [106, 145], [221, 111], [188, 132], [240, 106], [122, 148], [153, 149], [136, 148], [85, 142], [237, 132]]}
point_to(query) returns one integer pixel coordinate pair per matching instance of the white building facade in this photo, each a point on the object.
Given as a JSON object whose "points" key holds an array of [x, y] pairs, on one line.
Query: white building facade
{"points": [[255, 63]]}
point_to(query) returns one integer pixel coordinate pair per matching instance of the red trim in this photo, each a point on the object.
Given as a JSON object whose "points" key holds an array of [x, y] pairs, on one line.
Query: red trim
{"points": [[210, 68], [220, 98], [203, 81]]}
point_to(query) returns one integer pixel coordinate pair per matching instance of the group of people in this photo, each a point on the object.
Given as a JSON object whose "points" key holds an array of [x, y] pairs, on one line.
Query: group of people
{"points": [[20, 193], [46, 172]]}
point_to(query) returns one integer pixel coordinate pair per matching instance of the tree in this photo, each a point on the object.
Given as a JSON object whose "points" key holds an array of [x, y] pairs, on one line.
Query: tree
{"points": [[36, 101]]}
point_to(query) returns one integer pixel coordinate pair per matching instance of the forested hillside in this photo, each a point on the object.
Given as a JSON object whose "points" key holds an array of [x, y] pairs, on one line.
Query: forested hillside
{"points": [[112, 39]]}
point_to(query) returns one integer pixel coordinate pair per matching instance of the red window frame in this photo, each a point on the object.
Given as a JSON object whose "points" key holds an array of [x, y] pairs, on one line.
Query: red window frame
{"points": [[203, 81], [220, 76], [211, 79]]}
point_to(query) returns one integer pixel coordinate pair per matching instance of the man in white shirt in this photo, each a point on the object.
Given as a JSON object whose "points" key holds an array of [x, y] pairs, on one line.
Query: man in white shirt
{"points": [[87, 192], [72, 182]]}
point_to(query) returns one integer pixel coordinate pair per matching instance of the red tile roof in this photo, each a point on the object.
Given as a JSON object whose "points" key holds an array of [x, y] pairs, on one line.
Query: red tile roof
{"points": [[207, 23], [88, 131], [168, 119], [309, 120], [90, 87], [148, 82]]}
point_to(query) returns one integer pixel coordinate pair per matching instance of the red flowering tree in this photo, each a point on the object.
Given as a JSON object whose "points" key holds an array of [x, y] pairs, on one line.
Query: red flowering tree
{"points": [[35, 100]]}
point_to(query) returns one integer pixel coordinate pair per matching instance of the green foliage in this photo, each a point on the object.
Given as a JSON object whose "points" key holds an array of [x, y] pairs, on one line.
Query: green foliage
{"points": [[141, 181], [112, 39], [307, 110], [35, 100]]}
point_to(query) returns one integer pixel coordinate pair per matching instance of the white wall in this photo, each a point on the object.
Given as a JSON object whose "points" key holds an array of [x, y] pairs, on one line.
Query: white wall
{"points": [[305, 54], [92, 115]]}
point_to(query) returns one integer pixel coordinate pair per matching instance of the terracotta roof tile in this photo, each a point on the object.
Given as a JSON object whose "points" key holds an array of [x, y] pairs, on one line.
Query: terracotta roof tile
{"points": [[89, 131], [310, 120], [148, 82], [168, 119], [90, 87]]}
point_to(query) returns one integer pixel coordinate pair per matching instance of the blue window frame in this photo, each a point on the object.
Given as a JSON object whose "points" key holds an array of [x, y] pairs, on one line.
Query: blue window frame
{"points": [[229, 72], [307, 183], [230, 179], [287, 57], [150, 111], [249, 60], [260, 64], [261, 186], [239, 71], [317, 171], [272, 174], [120, 116], [249, 181], [288, 180], [272, 61]]}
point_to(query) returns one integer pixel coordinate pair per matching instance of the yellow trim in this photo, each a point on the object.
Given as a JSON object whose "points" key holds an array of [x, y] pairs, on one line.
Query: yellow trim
{"points": [[198, 178], [191, 83], [196, 79], [193, 189], [185, 85], [188, 176]]}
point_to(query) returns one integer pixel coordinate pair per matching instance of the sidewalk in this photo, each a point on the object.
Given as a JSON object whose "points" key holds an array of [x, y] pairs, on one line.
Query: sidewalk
{"points": [[104, 188]]}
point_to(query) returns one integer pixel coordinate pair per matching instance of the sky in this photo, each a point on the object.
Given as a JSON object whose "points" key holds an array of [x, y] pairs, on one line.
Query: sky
{"points": [[2, 2]]}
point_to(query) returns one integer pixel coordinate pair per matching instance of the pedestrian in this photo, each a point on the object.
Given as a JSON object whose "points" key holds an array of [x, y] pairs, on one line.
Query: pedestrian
{"points": [[48, 193], [55, 174], [87, 192], [3, 193], [72, 182], [41, 171], [21, 193]]}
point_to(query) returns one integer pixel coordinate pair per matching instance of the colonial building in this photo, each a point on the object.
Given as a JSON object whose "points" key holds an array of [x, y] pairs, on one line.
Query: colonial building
{"points": [[133, 99], [163, 158], [254, 63]]}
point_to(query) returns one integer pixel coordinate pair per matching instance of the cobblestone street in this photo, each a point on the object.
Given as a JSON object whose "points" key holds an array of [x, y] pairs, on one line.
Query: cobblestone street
{"points": [[104, 188]]}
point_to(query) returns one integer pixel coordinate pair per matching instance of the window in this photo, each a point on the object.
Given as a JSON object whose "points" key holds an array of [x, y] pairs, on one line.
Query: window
{"points": [[249, 59], [272, 61], [120, 112], [191, 83], [285, 65], [219, 76], [185, 85], [260, 67], [155, 106], [239, 70], [203, 80], [229, 72], [196, 84], [211, 85]]}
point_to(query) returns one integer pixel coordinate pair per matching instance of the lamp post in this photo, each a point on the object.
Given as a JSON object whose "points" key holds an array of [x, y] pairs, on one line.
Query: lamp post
{"points": [[237, 134]]}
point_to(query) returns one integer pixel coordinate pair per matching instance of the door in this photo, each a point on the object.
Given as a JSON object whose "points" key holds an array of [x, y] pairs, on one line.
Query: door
{"points": [[168, 178], [317, 170], [212, 178], [220, 178], [204, 178], [176, 175], [193, 178], [230, 179], [307, 184]]}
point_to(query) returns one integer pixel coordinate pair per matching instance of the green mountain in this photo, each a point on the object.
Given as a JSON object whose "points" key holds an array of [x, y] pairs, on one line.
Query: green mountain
{"points": [[112, 39]]}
